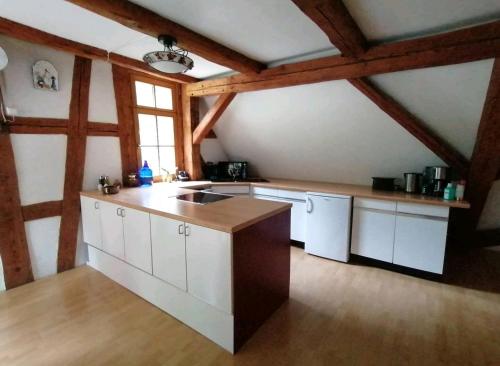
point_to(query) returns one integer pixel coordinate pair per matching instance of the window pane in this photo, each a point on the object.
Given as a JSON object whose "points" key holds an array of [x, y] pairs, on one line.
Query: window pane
{"points": [[163, 97], [151, 155], [147, 130], [167, 159], [145, 94], [166, 131]]}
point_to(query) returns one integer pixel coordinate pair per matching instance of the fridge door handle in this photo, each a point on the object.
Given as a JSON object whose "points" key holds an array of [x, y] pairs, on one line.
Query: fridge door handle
{"points": [[309, 205]]}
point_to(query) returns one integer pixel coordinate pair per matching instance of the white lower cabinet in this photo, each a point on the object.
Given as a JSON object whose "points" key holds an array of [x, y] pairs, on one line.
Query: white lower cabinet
{"points": [[407, 234], [137, 238], [169, 250], [91, 221], [112, 229], [298, 214], [373, 233], [420, 242], [208, 258]]}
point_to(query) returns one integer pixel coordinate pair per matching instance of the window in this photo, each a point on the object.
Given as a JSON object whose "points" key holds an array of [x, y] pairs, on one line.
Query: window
{"points": [[157, 124]]}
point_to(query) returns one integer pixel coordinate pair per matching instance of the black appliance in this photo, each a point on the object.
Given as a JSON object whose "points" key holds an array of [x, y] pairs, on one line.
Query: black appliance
{"points": [[229, 171], [202, 198], [435, 180], [383, 184]]}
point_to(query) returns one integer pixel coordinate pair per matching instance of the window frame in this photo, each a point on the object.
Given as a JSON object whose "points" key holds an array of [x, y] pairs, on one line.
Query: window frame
{"points": [[175, 113]]}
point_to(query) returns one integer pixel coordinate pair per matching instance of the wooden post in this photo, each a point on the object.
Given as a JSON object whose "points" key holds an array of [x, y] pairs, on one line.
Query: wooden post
{"points": [[126, 121], [75, 162], [192, 156], [485, 161], [13, 245]]}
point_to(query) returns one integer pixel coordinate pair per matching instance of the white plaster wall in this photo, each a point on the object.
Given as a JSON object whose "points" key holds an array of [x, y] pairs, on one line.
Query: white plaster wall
{"points": [[40, 159], [102, 158], [211, 150], [43, 242], [19, 92], [102, 105], [448, 99], [326, 132], [40, 165]]}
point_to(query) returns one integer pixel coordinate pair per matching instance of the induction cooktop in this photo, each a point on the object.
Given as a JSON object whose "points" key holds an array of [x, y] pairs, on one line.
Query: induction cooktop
{"points": [[202, 198]]}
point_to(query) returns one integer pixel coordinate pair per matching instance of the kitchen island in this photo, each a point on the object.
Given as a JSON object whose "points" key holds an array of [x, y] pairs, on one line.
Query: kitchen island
{"points": [[221, 268]]}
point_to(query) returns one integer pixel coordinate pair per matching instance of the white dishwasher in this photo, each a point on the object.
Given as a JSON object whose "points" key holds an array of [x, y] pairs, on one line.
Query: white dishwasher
{"points": [[328, 225]]}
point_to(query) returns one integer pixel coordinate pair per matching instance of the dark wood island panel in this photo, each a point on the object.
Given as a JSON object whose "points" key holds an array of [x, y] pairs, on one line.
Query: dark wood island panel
{"points": [[261, 273]]}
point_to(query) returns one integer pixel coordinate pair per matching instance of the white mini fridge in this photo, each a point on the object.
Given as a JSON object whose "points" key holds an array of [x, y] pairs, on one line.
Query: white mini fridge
{"points": [[328, 225]]}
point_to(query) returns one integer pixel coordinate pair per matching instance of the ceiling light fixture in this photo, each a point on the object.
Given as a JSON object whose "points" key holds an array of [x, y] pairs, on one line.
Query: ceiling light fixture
{"points": [[171, 60]]}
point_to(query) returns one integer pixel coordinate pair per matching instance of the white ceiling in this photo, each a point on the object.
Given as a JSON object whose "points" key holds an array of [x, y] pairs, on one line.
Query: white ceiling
{"points": [[271, 31], [388, 20]]}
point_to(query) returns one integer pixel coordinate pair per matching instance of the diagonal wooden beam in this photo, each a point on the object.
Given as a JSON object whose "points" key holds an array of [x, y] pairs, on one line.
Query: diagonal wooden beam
{"points": [[212, 116], [335, 21], [148, 22], [75, 161], [465, 45], [42, 210], [29, 34], [485, 161], [413, 125]]}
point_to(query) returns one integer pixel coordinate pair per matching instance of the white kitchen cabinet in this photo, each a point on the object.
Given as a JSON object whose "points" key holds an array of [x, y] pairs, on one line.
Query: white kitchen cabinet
{"points": [[137, 238], [298, 215], [373, 233], [91, 221], [420, 242], [112, 229], [169, 250], [373, 225], [236, 189], [208, 259]]}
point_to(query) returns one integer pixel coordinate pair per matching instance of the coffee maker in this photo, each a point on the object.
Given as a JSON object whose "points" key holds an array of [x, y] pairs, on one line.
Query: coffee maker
{"points": [[435, 180]]}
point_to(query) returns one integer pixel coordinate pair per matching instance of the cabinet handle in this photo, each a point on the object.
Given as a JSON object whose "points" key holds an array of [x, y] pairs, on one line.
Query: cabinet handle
{"points": [[180, 229], [188, 230], [309, 204], [96, 205], [122, 212], [118, 211]]}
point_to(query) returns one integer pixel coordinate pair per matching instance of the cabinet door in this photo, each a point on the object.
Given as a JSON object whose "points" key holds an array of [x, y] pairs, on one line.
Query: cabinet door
{"points": [[91, 223], [373, 233], [112, 229], [137, 238], [420, 242], [169, 250], [298, 221], [209, 273]]}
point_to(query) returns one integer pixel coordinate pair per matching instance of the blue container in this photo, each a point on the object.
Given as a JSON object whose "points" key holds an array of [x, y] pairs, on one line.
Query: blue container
{"points": [[146, 175]]}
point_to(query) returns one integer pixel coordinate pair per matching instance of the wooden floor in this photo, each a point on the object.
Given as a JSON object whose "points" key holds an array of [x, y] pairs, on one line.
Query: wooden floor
{"points": [[338, 314]]}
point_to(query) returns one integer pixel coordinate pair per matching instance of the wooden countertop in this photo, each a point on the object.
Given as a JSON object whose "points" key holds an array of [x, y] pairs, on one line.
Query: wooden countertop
{"points": [[339, 188], [228, 215]]}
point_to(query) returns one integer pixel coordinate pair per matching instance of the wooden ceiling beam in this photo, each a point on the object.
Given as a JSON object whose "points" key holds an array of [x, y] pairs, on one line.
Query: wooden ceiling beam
{"points": [[335, 21], [33, 35], [413, 125], [212, 116], [485, 161], [465, 45], [145, 21]]}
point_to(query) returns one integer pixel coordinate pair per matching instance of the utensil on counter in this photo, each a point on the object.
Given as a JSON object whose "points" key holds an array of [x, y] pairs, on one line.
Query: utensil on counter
{"points": [[111, 189]]}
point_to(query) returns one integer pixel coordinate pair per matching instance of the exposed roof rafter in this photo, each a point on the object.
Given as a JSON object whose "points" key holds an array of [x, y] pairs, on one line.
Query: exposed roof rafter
{"points": [[33, 35], [145, 21]]}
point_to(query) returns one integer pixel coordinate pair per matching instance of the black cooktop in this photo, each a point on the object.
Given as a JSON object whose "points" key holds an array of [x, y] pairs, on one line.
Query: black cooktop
{"points": [[202, 198]]}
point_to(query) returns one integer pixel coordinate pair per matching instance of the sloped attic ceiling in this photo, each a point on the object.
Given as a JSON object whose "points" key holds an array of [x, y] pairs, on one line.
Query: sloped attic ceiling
{"points": [[331, 132]]}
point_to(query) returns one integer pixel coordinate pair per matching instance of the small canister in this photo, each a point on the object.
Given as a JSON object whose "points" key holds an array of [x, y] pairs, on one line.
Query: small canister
{"points": [[412, 182]]}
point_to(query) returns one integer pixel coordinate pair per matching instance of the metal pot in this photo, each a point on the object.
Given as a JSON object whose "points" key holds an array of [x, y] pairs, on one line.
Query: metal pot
{"points": [[413, 182]]}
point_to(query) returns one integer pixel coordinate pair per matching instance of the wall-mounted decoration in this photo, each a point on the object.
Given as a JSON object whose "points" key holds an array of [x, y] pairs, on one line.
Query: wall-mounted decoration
{"points": [[45, 76]]}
